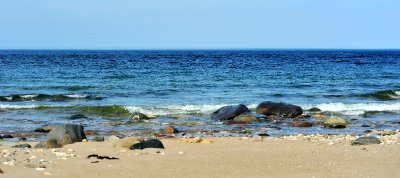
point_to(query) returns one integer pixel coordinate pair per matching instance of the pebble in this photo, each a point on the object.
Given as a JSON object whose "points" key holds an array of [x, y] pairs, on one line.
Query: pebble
{"points": [[1, 171], [70, 150], [181, 153], [47, 173], [40, 169]]}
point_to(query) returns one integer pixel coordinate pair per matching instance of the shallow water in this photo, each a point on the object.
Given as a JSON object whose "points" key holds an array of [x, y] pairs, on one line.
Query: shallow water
{"points": [[183, 87]]}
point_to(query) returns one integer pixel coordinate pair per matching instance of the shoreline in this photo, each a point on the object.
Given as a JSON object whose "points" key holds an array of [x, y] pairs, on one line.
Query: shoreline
{"points": [[291, 156]]}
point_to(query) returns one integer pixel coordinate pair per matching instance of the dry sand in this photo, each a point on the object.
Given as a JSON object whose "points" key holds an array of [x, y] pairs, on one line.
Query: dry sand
{"points": [[223, 157]]}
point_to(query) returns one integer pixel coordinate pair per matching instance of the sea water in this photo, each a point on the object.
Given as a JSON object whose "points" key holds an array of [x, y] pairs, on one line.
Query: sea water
{"points": [[183, 87]]}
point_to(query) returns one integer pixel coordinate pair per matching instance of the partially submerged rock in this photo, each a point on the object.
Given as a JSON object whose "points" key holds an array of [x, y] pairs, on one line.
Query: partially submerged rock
{"points": [[65, 134], [139, 116], [45, 129], [77, 116], [229, 112], [279, 109], [152, 143], [334, 122], [314, 109], [300, 124], [250, 117], [366, 141]]}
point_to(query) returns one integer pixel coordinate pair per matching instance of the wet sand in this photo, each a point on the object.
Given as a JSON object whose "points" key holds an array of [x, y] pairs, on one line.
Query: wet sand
{"points": [[223, 157]]}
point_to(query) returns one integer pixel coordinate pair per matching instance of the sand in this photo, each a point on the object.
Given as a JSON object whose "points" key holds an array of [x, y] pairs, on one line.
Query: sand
{"points": [[223, 157]]}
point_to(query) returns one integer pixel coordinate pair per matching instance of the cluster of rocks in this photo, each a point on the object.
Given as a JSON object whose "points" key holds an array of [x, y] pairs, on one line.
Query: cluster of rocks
{"points": [[271, 111]]}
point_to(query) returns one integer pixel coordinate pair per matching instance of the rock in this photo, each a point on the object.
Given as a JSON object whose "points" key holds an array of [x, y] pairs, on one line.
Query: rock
{"points": [[228, 112], [250, 117], [65, 134], [1, 171], [279, 109], [40, 145], [152, 143], [274, 118], [170, 130], [22, 139], [366, 141], [335, 122], [45, 129], [98, 138], [233, 122], [300, 124], [6, 136], [24, 145], [139, 116], [302, 116], [128, 141], [197, 140], [319, 116], [314, 109], [77, 116], [90, 132]]}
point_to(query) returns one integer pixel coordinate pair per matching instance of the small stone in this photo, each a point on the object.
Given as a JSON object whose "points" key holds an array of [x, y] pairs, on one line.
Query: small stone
{"points": [[40, 169], [152, 143], [299, 124], [170, 130], [32, 157], [70, 150], [98, 138], [366, 141], [22, 139], [1, 171], [335, 122], [197, 140], [47, 173], [89, 132], [181, 153], [24, 145]]}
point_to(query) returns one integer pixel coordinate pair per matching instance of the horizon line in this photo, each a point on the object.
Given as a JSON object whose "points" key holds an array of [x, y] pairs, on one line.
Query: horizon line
{"points": [[182, 49]]}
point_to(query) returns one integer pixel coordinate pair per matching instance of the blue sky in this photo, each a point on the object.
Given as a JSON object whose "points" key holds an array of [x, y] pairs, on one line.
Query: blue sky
{"points": [[199, 24]]}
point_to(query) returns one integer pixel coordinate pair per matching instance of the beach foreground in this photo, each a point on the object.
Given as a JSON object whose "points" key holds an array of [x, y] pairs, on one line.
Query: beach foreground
{"points": [[216, 157]]}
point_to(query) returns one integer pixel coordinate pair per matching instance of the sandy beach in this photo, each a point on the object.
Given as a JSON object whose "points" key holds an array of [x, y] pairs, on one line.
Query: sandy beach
{"points": [[217, 157]]}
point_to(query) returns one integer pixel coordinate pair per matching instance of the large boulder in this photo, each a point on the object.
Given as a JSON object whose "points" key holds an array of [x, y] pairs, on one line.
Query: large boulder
{"points": [[65, 134], [229, 112], [279, 109]]}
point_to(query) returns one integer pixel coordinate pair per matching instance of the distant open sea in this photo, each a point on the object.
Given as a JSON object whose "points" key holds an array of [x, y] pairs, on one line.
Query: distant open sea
{"points": [[182, 88]]}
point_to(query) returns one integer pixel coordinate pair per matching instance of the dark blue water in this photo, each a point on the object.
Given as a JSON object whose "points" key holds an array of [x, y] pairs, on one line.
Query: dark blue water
{"points": [[192, 84]]}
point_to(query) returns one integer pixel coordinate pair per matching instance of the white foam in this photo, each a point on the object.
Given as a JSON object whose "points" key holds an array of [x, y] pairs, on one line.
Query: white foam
{"points": [[28, 96], [180, 109], [356, 108], [13, 106], [76, 96]]}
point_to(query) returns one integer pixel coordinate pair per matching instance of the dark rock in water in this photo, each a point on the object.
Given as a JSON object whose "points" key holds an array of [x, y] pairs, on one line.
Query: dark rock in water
{"points": [[279, 109], [263, 135], [6, 136], [139, 116], [366, 141], [250, 117], [299, 124], [77, 116], [24, 145], [365, 125], [2, 98], [314, 109], [98, 138], [228, 112], [368, 131], [233, 122], [45, 129], [65, 134], [40, 145], [152, 143], [170, 130], [22, 139]]}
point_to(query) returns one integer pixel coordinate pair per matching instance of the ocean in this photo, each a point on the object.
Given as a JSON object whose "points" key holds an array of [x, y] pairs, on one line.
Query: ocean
{"points": [[183, 87]]}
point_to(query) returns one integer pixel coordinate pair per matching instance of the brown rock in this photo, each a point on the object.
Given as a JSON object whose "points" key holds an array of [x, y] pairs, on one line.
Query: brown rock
{"points": [[300, 124], [1, 171], [89, 132], [170, 130], [233, 122], [274, 118]]}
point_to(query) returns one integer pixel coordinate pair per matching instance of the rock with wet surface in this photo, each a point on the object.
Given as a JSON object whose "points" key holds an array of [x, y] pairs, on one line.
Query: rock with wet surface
{"points": [[250, 117], [139, 116], [24, 145], [152, 143], [366, 140], [170, 130], [229, 112], [300, 124], [279, 109], [334, 122], [65, 134], [45, 129], [77, 116]]}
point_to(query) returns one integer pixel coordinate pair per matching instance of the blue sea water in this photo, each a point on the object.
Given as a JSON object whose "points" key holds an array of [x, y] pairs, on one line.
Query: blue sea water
{"points": [[185, 86]]}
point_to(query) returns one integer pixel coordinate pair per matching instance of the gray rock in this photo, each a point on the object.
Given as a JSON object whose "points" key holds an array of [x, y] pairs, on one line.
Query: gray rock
{"points": [[279, 109], [250, 117], [98, 138], [24, 145], [77, 116], [139, 116], [229, 112], [366, 141], [152, 143], [40, 145], [314, 109], [65, 134]]}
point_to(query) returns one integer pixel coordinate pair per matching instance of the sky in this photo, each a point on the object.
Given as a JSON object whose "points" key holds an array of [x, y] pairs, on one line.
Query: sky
{"points": [[199, 24]]}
